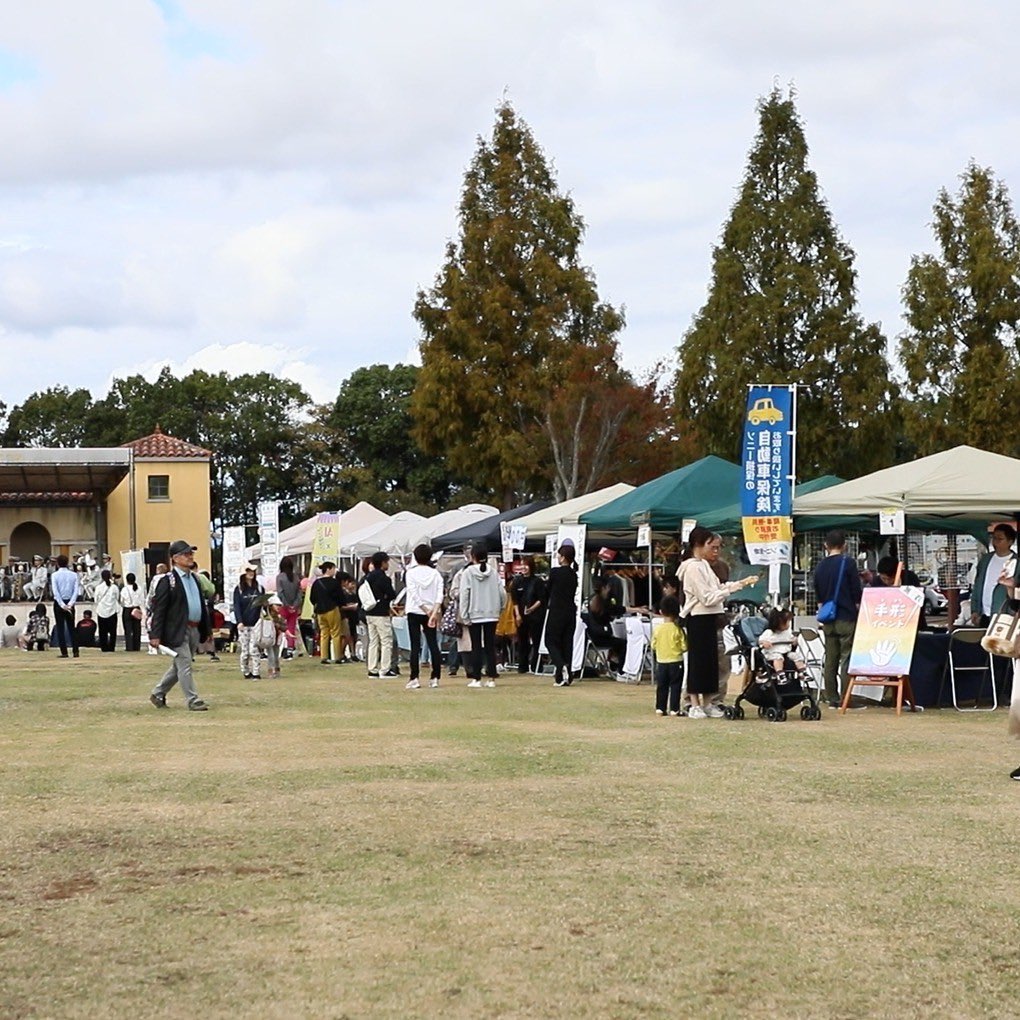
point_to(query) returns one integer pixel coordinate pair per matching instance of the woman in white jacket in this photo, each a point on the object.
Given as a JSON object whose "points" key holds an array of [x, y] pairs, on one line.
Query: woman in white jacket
{"points": [[704, 595], [423, 606], [482, 598], [107, 599]]}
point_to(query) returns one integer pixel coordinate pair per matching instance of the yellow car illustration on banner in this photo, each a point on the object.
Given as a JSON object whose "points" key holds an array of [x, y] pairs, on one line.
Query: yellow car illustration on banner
{"points": [[764, 410]]}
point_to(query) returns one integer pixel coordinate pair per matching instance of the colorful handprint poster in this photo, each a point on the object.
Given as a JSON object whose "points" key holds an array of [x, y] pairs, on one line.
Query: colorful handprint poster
{"points": [[886, 630]]}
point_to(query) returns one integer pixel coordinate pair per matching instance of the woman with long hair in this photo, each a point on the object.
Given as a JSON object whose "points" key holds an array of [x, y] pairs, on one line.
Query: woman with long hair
{"points": [[482, 598], [529, 612], [107, 599], [423, 606], [247, 611], [288, 591], [132, 599], [561, 620], [704, 598]]}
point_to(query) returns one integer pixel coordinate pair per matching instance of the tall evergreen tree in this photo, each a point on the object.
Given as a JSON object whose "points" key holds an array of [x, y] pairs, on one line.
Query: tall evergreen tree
{"points": [[509, 307], [960, 348], [782, 309]]}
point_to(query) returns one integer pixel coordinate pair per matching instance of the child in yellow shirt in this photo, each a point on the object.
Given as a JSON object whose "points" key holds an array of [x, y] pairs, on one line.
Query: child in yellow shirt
{"points": [[669, 644]]}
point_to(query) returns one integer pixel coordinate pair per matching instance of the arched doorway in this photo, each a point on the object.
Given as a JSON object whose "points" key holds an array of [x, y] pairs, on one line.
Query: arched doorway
{"points": [[30, 539]]}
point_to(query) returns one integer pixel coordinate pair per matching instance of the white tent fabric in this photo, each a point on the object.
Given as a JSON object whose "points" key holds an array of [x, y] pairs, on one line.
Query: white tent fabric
{"points": [[544, 522], [401, 536], [962, 482], [299, 538], [349, 540]]}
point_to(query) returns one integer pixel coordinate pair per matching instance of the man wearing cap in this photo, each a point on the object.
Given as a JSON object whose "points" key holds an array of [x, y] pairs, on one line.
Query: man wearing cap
{"points": [[36, 588], [180, 621]]}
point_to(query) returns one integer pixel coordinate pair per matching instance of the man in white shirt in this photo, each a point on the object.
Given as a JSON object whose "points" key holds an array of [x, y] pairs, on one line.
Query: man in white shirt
{"points": [[987, 595]]}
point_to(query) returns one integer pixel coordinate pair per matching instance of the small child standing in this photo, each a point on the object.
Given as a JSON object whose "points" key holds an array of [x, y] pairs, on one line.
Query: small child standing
{"points": [[669, 644], [779, 642], [272, 612]]}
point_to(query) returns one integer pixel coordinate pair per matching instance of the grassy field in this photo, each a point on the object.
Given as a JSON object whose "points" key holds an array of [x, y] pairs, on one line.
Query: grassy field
{"points": [[327, 845]]}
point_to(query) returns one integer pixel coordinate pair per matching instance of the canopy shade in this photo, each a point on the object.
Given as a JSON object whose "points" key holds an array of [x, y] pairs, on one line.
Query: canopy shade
{"points": [[299, 538], [485, 530], [708, 484], [400, 537], [32, 472], [545, 522], [945, 488], [729, 520]]}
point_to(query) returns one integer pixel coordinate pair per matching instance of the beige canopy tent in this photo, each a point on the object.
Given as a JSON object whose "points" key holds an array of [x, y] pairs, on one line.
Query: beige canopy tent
{"points": [[953, 486], [299, 539], [545, 522]]}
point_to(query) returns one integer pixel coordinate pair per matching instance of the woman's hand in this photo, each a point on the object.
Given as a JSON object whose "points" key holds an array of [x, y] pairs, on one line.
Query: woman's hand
{"points": [[748, 581]]}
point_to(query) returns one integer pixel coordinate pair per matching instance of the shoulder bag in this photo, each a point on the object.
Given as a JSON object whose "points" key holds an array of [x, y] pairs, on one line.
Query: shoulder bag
{"points": [[827, 611]]}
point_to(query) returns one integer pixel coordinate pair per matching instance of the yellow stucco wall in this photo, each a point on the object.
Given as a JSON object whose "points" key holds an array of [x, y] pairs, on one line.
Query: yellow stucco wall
{"points": [[70, 527], [186, 514]]}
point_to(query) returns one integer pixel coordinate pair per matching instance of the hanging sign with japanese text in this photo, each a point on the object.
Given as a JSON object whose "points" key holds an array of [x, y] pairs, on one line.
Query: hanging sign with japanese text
{"points": [[766, 503]]}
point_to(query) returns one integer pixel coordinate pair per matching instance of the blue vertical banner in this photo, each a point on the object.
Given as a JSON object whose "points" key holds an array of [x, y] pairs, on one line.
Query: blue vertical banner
{"points": [[766, 504]]}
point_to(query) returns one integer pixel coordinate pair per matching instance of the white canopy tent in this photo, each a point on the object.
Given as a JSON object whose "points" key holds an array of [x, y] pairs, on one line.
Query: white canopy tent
{"points": [[960, 483], [545, 522], [401, 536], [350, 540], [299, 538]]}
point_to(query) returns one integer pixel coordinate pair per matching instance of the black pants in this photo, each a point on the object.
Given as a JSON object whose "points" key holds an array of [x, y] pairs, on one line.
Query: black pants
{"points": [[63, 620], [416, 623], [108, 633], [669, 678], [483, 634], [559, 641], [529, 636], [132, 631]]}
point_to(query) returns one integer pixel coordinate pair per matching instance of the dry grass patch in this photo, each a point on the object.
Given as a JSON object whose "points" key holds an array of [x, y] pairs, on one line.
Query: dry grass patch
{"points": [[330, 845]]}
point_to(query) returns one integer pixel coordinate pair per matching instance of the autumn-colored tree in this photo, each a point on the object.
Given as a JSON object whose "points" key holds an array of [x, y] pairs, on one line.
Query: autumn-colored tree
{"points": [[960, 348], [501, 325], [782, 309]]}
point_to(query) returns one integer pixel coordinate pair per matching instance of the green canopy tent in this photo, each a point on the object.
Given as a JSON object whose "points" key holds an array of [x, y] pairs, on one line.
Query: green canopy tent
{"points": [[689, 492], [728, 520]]}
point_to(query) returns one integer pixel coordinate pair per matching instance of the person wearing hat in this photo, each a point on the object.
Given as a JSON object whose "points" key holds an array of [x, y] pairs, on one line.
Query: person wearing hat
{"points": [[180, 621], [248, 602], [36, 588]]}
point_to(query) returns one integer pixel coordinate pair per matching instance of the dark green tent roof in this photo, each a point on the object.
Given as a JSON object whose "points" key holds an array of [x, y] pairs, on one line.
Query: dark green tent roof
{"points": [[728, 521], [664, 502]]}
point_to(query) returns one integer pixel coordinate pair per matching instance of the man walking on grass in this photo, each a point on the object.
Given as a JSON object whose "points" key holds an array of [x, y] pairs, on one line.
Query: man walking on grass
{"points": [[180, 622]]}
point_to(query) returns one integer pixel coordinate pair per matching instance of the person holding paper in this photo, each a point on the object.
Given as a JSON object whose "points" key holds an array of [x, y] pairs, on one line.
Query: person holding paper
{"points": [[180, 622]]}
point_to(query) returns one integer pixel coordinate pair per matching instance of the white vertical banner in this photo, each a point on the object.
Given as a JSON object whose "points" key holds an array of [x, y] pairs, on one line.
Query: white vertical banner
{"points": [[269, 536], [132, 561], [576, 533], [233, 559]]}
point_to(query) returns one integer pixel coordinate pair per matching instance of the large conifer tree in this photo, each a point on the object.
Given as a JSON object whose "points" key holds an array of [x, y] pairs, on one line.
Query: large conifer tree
{"points": [[508, 311], [782, 309], [963, 322]]}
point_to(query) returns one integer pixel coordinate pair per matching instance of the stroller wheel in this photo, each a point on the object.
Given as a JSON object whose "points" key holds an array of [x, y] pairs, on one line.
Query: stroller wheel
{"points": [[727, 711], [762, 710], [772, 714], [736, 712], [781, 716], [806, 712], [816, 713]]}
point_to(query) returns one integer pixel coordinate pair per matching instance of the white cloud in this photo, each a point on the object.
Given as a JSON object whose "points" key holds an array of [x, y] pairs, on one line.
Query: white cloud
{"points": [[246, 182]]}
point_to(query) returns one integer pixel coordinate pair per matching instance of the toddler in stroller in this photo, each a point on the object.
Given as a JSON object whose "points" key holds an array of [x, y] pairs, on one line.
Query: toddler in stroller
{"points": [[777, 679]]}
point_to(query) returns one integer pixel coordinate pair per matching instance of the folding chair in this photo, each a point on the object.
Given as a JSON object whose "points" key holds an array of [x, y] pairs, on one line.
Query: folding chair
{"points": [[971, 636], [597, 657], [810, 643]]}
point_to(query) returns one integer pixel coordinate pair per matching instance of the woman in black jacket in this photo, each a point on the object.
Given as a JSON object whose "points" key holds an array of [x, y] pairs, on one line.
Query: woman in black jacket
{"points": [[529, 613], [561, 621]]}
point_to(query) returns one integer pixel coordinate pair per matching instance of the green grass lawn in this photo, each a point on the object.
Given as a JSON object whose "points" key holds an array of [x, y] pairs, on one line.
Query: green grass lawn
{"points": [[327, 845]]}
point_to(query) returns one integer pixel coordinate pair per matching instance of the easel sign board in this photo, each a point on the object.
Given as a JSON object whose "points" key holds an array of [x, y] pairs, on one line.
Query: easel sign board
{"points": [[886, 632]]}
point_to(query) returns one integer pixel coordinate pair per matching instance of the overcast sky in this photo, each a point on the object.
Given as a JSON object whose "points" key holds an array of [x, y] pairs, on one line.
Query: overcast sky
{"points": [[264, 185]]}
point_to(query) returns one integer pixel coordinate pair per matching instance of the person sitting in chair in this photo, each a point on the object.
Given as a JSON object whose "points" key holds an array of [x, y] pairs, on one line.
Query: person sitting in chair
{"points": [[598, 620]]}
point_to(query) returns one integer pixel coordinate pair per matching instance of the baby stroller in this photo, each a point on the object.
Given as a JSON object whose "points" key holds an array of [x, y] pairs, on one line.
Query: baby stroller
{"points": [[773, 692]]}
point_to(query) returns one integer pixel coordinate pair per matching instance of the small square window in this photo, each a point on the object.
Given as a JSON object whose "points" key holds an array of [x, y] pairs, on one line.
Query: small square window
{"points": [[159, 486]]}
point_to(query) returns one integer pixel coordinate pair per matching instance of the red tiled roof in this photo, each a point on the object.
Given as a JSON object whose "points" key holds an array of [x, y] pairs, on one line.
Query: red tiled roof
{"points": [[32, 498], [161, 445]]}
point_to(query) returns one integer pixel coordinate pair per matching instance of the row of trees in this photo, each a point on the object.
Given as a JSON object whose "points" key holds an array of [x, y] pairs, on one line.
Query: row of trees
{"points": [[521, 392]]}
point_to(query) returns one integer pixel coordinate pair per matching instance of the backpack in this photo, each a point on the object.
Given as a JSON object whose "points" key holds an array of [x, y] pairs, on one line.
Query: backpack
{"points": [[265, 633], [172, 575]]}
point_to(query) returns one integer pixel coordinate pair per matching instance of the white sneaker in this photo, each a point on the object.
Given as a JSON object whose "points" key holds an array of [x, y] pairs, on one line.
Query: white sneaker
{"points": [[412, 685], [474, 683], [697, 712], [433, 682], [659, 711], [715, 712], [490, 683]]}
